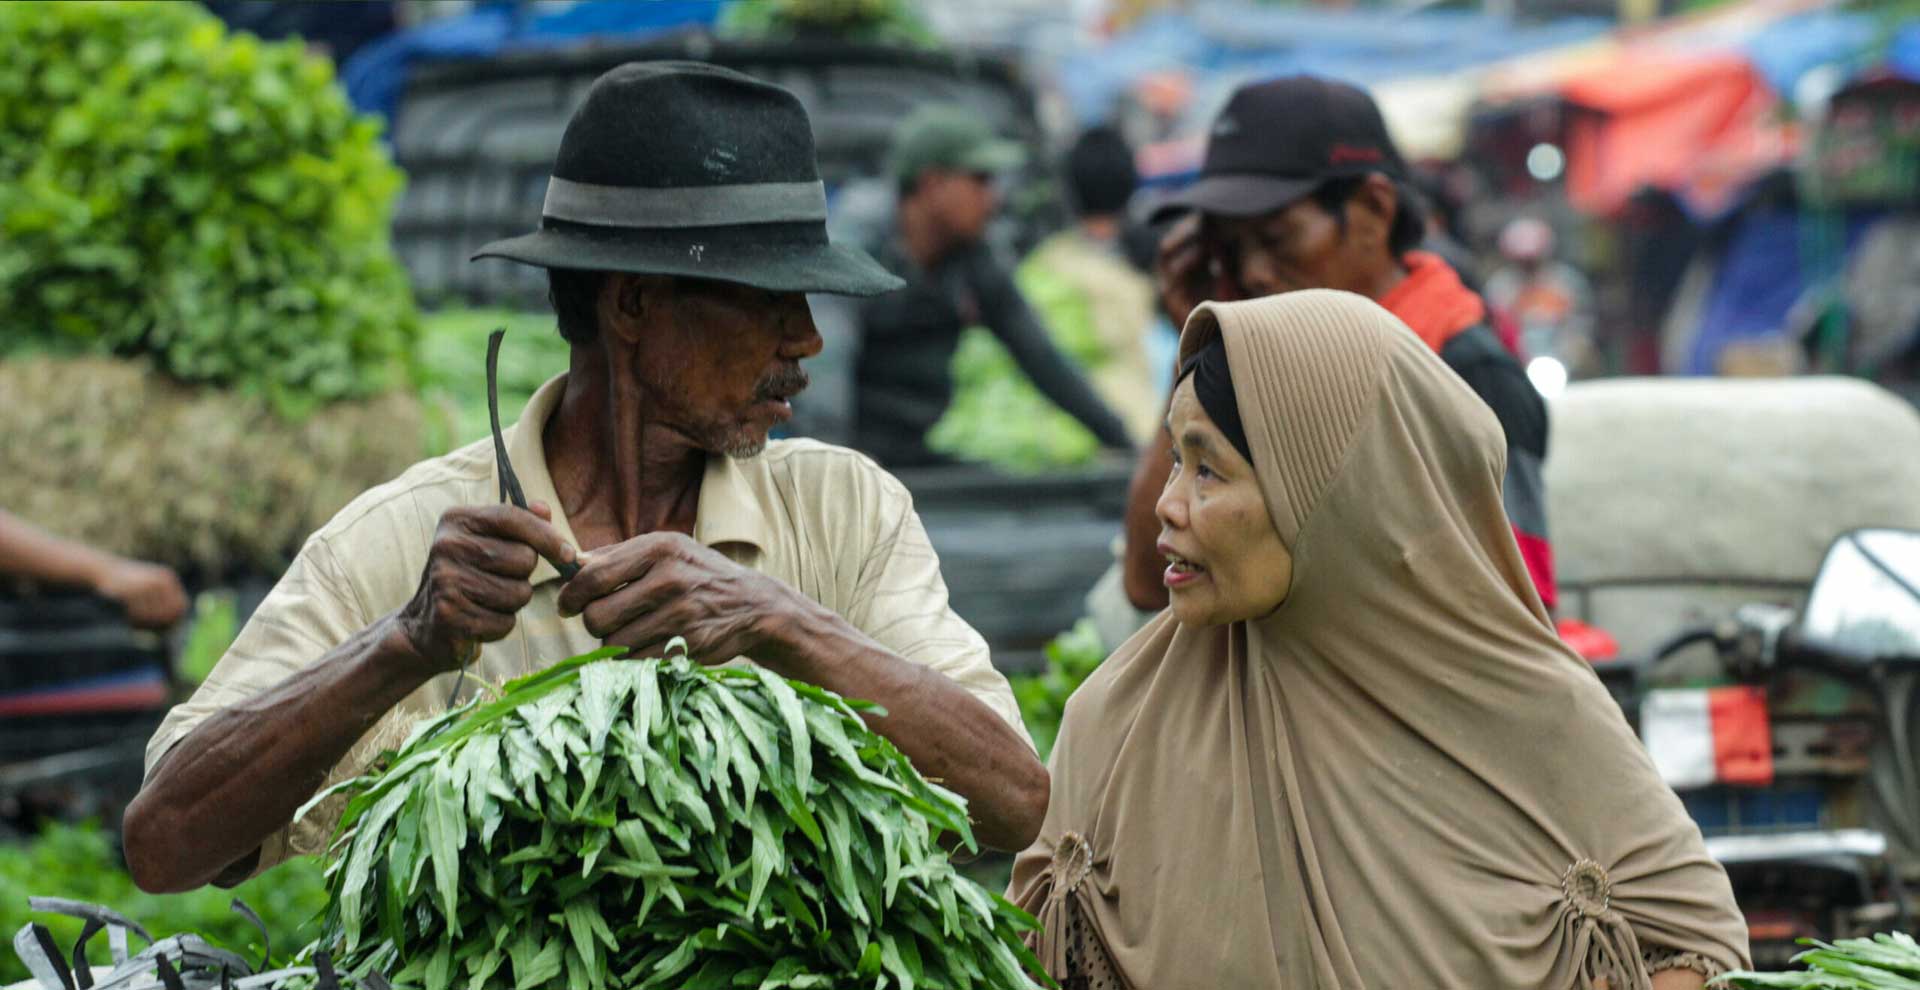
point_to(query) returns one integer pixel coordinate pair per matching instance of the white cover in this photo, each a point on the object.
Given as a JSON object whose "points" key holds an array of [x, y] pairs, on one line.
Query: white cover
{"points": [[1673, 500]]}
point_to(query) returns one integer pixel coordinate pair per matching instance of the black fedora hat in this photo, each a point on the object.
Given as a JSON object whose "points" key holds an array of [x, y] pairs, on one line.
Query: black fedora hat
{"points": [[689, 169]]}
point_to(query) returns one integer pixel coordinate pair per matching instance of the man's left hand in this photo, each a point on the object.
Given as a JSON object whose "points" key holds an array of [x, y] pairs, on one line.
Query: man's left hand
{"points": [[647, 590]]}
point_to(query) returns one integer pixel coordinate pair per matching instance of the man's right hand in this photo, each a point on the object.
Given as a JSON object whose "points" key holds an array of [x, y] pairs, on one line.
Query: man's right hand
{"points": [[1180, 270], [476, 579]]}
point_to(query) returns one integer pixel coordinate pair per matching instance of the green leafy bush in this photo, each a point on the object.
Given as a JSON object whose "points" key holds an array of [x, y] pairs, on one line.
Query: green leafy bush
{"points": [[80, 862], [453, 361], [998, 417], [1071, 659], [883, 21], [657, 823], [169, 189]]}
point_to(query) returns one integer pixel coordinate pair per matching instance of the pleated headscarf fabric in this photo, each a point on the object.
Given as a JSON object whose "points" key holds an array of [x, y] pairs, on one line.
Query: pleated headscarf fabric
{"points": [[1399, 779]]}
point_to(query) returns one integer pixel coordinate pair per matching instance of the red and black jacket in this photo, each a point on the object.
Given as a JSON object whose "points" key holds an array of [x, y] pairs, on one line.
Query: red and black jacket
{"points": [[1452, 320]]}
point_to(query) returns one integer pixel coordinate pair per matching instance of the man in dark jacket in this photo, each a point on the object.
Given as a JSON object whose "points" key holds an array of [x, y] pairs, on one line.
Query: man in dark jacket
{"points": [[945, 160], [1302, 188]]}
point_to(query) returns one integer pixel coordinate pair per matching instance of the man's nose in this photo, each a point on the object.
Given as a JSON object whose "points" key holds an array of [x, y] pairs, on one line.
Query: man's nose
{"points": [[1256, 272], [800, 338]]}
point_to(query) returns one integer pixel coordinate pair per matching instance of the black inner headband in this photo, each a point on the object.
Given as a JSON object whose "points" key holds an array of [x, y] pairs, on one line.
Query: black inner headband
{"points": [[1213, 386]]}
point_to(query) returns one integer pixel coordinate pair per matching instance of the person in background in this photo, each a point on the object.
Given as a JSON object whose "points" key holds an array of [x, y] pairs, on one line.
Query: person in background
{"points": [[945, 161], [1548, 300], [1085, 288], [151, 594], [1301, 188]]}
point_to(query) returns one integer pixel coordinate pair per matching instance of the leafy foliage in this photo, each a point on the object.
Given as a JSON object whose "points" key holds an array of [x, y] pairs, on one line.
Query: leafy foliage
{"points": [[1071, 659], [80, 862], [884, 21], [1883, 962], [207, 199], [998, 417], [453, 359], [211, 630], [659, 824]]}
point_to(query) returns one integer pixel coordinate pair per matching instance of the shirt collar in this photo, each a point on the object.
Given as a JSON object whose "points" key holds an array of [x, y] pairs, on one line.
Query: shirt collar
{"points": [[728, 511], [527, 449]]}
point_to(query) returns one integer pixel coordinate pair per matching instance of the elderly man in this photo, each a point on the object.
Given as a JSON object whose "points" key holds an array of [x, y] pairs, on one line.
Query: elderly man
{"points": [[684, 222]]}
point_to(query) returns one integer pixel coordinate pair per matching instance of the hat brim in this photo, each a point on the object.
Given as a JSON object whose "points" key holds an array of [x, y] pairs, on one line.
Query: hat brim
{"points": [[1235, 196], [994, 156], [829, 268]]}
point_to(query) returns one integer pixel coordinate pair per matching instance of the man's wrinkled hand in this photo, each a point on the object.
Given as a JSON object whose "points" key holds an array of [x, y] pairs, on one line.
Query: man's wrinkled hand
{"points": [[647, 590], [477, 579]]}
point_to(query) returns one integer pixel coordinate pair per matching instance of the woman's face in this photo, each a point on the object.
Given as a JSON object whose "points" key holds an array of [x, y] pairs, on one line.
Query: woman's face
{"points": [[1225, 560]]}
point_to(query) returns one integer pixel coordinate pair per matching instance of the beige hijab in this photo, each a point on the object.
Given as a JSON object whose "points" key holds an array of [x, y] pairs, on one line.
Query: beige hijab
{"points": [[1398, 780]]}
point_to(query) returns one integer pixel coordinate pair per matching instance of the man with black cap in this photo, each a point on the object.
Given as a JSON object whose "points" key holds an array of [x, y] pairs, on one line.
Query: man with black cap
{"points": [[1302, 188], [945, 160], [683, 224]]}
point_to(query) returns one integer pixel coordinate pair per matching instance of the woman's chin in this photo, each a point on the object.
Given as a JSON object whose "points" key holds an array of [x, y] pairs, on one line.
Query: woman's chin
{"points": [[1192, 611]]}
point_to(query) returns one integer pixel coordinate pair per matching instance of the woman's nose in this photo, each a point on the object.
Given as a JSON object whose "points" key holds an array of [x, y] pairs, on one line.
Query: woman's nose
{"points": [[1172, 506]]}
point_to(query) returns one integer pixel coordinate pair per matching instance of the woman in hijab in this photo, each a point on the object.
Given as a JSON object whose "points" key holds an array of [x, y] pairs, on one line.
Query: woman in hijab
{"points": [[1352, 753]]}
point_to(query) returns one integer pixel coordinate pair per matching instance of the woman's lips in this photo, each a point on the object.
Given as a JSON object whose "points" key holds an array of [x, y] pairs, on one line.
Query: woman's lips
{"points": [[1180, 571]]}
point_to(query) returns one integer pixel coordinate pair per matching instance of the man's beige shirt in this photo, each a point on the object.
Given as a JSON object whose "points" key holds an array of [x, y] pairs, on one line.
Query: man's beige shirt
{"points": [[825, 520]]}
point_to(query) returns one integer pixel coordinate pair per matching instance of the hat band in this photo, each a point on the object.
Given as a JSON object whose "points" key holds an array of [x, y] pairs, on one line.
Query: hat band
{"points": [[684, 206]]}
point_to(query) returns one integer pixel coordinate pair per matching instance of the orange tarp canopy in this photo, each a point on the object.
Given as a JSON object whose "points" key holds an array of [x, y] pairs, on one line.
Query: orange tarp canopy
{"points": [[1669, 122]]}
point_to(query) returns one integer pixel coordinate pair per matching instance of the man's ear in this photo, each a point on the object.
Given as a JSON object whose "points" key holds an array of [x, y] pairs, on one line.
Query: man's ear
{"points": [[1371, 210], [627, 303]]}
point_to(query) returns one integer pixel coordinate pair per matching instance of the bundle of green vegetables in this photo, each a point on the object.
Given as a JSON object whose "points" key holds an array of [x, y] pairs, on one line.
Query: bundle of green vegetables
{"points": [[1072, 657], [1883, 962], [623, 823]]}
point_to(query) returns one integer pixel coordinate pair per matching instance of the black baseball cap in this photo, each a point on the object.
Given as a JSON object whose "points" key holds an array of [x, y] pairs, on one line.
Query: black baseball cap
{"points": [[1279, 140]]}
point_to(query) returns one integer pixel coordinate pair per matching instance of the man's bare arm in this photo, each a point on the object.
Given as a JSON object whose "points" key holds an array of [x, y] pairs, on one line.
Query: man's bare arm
{"points": [[239, 776], [947, 733]]}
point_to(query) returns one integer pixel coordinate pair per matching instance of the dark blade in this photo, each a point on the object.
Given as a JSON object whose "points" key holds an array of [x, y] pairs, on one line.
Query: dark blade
{"points": [[509, 482]]}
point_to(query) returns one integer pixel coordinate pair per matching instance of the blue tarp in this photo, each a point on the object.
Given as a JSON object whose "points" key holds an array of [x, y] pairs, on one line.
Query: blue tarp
{"points": [[1763, 272], [1244, 41], [1903, 54], [1785, 51], [377, 74]]}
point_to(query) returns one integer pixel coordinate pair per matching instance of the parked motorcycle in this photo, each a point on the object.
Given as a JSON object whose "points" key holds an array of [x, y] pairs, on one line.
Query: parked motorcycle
{"points": [[1801, 761]]}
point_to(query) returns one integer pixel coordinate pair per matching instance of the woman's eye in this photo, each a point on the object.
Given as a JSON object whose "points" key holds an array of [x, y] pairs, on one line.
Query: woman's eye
{"points": [[1204, 471]]}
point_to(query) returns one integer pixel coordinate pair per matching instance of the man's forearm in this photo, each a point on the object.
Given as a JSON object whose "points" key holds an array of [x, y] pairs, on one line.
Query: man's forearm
{"points": [[950, 735], [239, 776]]}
